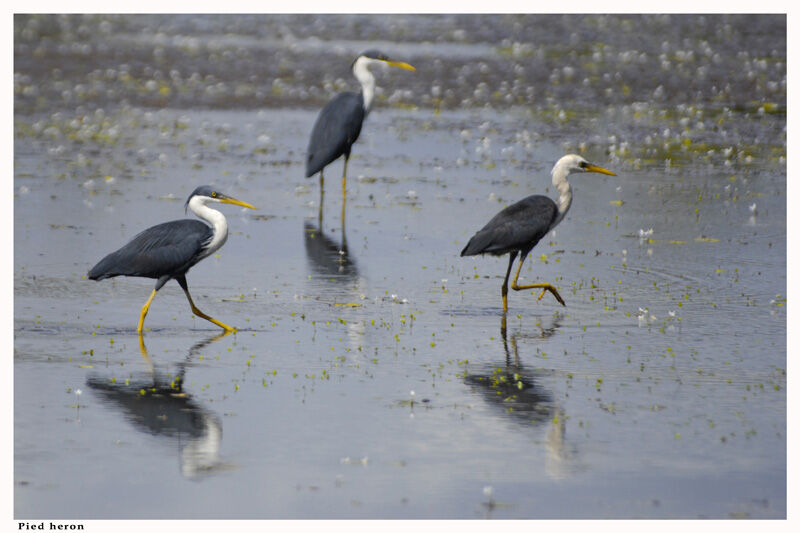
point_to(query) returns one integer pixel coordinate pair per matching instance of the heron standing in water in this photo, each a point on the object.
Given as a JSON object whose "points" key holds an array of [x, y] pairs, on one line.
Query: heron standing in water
{"points": [[167, 251], [519, 227], [339, 123]]}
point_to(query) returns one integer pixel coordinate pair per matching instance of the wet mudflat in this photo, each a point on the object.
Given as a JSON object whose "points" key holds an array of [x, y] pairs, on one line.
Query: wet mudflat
{"points": [[373, 374]]}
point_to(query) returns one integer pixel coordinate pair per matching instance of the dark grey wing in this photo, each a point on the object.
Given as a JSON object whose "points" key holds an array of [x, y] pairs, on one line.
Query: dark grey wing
{"points": [[336, 129], [517, 227], [167, 249]]}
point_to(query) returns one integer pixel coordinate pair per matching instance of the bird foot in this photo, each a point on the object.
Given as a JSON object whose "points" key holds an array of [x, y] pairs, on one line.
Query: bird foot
{"points": [[554, 292]]}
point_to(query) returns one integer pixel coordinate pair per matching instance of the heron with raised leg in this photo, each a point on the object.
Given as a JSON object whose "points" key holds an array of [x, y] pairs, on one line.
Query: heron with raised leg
{"points": [[167, 251], [519, 227], [339, 123]]}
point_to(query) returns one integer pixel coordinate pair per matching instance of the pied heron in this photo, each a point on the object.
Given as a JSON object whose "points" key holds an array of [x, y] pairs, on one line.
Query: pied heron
{"points": [[167, 251], [339, 123], [517, 228]]}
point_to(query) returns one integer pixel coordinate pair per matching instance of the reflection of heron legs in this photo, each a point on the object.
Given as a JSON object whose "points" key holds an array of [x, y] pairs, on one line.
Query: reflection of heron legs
{"points": [[504, 335], [504, 288], [182, 282], [144, 311], [343, 246], [544, 286], [143, 350], [516, 351]]}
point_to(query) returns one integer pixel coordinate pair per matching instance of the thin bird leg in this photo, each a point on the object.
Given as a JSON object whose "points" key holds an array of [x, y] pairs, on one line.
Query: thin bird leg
{"points": [[544, 286], [504, 288], [198, 312], [344, 203], [344, 176], [344, 188], [144, 311]]}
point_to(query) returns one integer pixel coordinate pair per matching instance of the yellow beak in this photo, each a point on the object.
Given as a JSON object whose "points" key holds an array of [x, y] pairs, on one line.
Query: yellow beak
{"points": [[234, 201], [594, 168], [400, 64]]}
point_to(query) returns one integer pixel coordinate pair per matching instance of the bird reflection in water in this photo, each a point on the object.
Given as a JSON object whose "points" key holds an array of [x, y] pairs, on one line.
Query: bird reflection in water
{"points": [[158, 405], [331, 264], [513, 388], [514, 391], [326, 256]]}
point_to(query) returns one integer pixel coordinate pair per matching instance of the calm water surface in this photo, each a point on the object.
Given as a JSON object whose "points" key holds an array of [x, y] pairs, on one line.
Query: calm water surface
{"points": [[373, 374]]}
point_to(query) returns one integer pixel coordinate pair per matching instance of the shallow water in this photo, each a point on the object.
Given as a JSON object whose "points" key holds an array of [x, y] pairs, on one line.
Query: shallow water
{"points": [[376, 379]]}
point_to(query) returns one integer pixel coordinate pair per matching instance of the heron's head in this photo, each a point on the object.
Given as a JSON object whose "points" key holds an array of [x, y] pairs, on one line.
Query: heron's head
{"points": [[205, 194], [573, 163], [375, 56]]}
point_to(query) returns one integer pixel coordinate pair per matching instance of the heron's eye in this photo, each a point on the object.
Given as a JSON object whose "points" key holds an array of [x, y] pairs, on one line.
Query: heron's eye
{"points": [[582, 164], [213, 195]]}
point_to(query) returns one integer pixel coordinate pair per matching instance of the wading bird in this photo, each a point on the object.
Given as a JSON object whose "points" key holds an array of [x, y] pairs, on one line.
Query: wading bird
{"points": [[339, 123], [167, 251], [517, 228]]}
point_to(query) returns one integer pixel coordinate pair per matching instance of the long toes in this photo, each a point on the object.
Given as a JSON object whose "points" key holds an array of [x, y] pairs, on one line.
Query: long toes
{"points": [[559, 298]]}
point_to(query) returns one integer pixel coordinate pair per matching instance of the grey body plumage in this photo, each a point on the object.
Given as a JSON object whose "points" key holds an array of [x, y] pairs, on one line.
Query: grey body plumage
{"points": [[336, 129], [163, 251], [167, 251], [519, 227]]}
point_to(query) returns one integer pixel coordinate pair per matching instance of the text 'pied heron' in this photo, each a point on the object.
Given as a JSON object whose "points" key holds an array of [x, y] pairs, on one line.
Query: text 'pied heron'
{"points": [[339, 123], [517, 228], [167, 251]]}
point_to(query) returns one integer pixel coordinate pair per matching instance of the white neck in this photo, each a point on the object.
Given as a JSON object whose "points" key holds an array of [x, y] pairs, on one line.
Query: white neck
{"points": [[219, 224], [366, 79], [565, 192]]}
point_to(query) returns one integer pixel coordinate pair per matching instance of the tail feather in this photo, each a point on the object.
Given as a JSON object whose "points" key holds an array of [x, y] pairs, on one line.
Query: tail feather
{"points": [[104, 269], [477, 244]]}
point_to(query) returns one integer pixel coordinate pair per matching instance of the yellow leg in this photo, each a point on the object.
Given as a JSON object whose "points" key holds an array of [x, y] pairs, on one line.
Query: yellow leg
{"points": [[344, 177], [201, 314], [544, 286], [504, 288], [144, 312], [344, 191], [344, 204]]}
